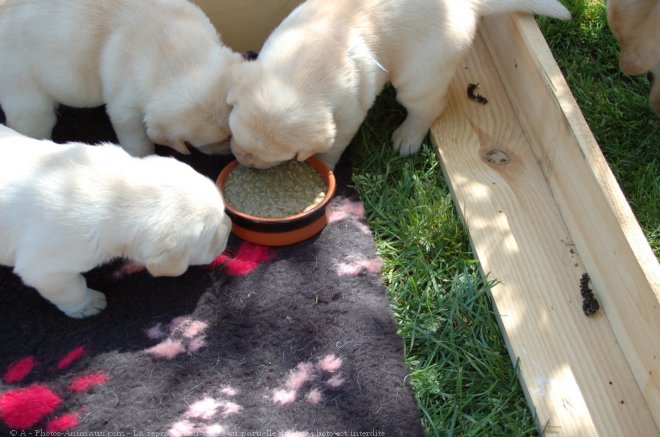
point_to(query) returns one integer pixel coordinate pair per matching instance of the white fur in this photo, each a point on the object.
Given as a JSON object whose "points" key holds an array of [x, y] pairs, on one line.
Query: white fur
{"points": [[636, 25], [158, 65], [321, 69], [67, 208]]}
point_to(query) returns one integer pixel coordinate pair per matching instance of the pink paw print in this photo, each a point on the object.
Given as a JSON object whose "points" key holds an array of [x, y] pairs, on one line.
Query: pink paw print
{"points": [[37, 404], [315, 378], [348, 209], [181, 335], [205, 417], [357, 264]]}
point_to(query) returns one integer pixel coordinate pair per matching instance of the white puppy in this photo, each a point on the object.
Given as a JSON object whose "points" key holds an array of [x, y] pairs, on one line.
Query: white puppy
{"points": [[158, 65], [67, 208], [636, 25], [319, 72]]}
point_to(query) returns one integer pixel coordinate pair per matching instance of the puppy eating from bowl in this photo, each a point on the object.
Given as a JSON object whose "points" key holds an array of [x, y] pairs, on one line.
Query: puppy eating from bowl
{"points": [[159, 66], [67, 208], [321, 69]]}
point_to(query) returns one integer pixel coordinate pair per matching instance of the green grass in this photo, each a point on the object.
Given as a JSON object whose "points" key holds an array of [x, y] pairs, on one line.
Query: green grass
{"points": [[614, 105], [463, 378]]}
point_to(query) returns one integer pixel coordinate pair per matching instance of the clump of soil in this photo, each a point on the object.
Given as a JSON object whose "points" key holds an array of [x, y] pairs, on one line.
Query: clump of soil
{"points": [[476, 97], [589, 302]]}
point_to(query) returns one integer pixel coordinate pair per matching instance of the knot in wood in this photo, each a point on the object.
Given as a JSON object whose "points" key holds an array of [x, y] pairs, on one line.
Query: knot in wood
{"points": [[496, 157]]}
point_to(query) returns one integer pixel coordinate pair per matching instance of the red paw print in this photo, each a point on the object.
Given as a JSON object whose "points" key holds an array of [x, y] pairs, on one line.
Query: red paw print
{"points": [[246, 259], [25, 407]]}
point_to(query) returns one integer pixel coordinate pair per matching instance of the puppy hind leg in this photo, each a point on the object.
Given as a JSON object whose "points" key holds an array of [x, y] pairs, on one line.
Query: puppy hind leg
{"points": [[67, 291], [424, 97], [129, 126], [30, 113]]}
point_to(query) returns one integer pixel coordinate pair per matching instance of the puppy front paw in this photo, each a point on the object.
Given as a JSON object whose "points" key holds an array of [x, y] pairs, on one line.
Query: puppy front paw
{"points": [[407, 139], [93, 303]]}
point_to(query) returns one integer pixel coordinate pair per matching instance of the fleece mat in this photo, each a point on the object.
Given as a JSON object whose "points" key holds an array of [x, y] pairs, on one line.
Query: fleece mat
{"points": [[293, 341]]}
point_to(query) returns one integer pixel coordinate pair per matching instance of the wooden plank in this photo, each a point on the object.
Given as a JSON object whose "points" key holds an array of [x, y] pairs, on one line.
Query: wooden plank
{"points": [[565, 359], [572, 368], [245, 24], [622, 266]]}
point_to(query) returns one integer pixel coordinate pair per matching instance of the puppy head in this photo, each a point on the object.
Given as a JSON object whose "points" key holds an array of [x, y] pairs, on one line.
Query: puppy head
{"points": [[194, 243], [187, 224], [194, 112], [635, 25], [272, 122]]}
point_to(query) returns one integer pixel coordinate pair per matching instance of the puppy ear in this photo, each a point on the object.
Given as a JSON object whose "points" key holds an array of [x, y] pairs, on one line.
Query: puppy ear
{"points": [[304, 154], [322, 138], [221, 235], [169, 264], [241, 76], [180, 147], [231, 93]]}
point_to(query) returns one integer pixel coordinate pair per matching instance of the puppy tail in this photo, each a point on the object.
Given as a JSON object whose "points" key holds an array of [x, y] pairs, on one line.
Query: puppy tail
{"points": [[549, 8]]}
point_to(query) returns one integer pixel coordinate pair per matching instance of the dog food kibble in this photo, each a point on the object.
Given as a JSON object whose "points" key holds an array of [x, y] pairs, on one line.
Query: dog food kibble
{"points": [[289, 188]]}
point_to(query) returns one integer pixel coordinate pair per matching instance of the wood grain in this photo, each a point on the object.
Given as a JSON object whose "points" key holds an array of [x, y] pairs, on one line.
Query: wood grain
{"points": [[573, 370], [542, 208], [622, 266]]}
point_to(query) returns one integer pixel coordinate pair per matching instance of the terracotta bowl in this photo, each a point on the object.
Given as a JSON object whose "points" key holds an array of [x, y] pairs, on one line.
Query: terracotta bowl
{"points": [[280, 231]]}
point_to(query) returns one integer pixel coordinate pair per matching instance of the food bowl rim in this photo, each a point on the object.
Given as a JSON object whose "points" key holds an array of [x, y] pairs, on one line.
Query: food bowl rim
{"points": [[313, 161]]}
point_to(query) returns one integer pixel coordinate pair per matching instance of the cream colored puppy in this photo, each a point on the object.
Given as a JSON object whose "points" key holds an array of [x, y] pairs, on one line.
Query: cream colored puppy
{"points": [[67, 208], [654, 96], [159, 66], [636, 25], [321, 69]]}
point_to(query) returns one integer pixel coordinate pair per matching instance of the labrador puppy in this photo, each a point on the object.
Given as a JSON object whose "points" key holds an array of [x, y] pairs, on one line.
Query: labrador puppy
{"points": [[321, 69], [159, 66], [66, 208], [636, 25], [654, 96]]}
